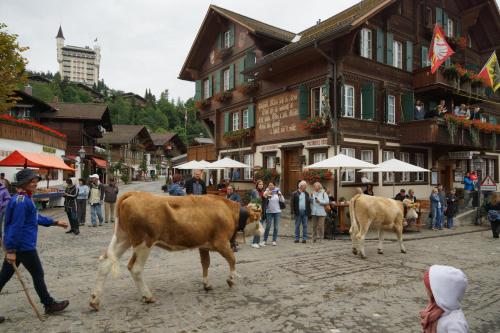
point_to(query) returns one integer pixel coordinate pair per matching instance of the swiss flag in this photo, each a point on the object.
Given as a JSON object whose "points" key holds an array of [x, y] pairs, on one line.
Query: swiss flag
{"points": [[440, 49]]}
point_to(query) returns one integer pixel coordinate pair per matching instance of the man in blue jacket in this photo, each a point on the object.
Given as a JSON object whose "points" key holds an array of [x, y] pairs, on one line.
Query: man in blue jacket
{"points": [[21, 230]]}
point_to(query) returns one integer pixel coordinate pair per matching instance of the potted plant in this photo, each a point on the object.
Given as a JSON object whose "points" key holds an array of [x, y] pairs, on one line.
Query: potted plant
{"points": [[223, 96], [451, 72], [319, 175], [202, 104], [238, 135], [248, 88], [267, 175], [315, 123]]}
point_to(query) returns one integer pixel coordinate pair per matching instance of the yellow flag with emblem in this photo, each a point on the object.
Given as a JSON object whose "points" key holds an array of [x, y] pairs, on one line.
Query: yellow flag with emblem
{"points": [[491, 72]]}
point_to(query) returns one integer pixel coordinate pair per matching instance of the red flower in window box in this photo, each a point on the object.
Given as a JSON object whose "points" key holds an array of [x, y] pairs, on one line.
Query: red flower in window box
{"points": [[315, 123], [203, 104], [6, 118], [223, 96]]}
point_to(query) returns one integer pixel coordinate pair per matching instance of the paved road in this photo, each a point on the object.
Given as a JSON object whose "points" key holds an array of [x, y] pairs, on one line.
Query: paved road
{"points": [[288, 288]]}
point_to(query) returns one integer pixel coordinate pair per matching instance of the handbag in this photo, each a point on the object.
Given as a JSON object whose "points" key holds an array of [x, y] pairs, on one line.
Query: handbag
{"points": [[282, 205]]}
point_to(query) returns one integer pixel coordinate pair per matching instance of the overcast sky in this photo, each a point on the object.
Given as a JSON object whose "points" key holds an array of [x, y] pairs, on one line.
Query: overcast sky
{"points": [[143, 42]]}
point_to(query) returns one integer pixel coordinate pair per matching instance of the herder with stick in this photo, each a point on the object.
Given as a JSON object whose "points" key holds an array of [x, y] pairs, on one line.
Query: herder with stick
{"points": [[21, 230]]}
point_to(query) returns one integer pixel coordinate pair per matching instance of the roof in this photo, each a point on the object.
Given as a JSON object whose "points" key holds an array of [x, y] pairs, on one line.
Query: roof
{"points": [[60, 33], [36, 77], [90, 90], [133, 95], [31, 99], [122, 134], [160, 139], [78, 48], [87, 111]]}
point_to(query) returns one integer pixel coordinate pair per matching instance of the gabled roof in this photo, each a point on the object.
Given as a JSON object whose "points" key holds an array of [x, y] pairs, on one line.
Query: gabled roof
{"points": [[81, 111], [123, 134], [31, 99], [159, 139]]}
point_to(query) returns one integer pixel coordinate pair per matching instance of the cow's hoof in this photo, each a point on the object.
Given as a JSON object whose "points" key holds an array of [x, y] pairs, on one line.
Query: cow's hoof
{"points": [[207, 287], [230, 283], [380, 251], [362, 256], [93, 303], [148, 300], [354, 251], [403, 251]]}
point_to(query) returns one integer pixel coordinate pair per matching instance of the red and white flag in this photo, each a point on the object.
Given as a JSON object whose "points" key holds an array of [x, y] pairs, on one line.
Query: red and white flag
{"points": [[440, 49]]}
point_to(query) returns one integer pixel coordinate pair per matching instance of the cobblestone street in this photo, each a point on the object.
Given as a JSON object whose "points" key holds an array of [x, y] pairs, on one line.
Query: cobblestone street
{"points": [[310, 287]]}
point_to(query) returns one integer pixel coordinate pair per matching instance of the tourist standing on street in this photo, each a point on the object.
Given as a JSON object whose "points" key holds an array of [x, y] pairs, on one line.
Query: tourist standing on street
{"points": [[451, 208], [196, 185], [175, 189], [4, 181], [435, 210], [70, 194], [273, 197], [319, 199], [442, 200], [231, 195], [401, 195], [21, 231], [96, 196], [4, 201], [468, 189], [445, 286], [81, 201], [302, 210], [258, 196], [110, 196], [493, 209]]}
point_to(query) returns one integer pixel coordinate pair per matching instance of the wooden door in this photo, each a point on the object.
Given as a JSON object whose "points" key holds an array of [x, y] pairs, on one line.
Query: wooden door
{"points": [[292, 170]]}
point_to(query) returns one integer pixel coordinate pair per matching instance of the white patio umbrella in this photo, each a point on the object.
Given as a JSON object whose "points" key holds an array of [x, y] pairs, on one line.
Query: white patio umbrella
{"points": [[227, 163], [395, 165], [191, 165]]}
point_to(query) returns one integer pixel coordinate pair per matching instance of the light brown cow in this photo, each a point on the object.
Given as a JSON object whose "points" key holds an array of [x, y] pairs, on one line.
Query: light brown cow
{"points": [[383, 213], [145, 220]]}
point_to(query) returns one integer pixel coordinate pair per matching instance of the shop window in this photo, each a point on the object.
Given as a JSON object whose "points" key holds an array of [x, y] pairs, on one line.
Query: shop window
{"points": [[419, 161], [367, 156], [388, 155], [318, 157], [270, 161], [348, 175], [405, 157]]}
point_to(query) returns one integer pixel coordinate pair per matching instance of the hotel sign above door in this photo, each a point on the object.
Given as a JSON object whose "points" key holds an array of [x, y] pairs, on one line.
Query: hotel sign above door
{"points": [[461, 155]]}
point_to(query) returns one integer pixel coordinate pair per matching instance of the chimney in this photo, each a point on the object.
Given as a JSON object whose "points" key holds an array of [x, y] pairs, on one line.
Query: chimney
{"points": [[318, 22], [28, 89]]}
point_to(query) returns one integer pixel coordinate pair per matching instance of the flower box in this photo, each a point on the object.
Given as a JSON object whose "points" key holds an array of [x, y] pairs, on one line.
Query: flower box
{"points": [[203, 104], [248, 88], [8, 119], [238, 135], [319, 175], [316, 124], [223, 97]]}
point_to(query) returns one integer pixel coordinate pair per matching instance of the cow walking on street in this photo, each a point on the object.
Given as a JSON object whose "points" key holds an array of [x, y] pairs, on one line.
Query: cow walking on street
{"points": [[174, 223]]}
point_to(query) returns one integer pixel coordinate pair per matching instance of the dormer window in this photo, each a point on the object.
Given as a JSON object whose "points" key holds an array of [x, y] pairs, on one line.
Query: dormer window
{"points": [[227, 39], [366, 43]]}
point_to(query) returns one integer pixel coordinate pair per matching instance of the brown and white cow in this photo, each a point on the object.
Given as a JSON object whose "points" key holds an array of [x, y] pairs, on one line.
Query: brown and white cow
{"points": [[383, 213], [145, 220]]}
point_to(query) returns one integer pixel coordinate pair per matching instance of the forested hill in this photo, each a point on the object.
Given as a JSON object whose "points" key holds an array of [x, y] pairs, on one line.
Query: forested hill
{"points": [[157, 114]]}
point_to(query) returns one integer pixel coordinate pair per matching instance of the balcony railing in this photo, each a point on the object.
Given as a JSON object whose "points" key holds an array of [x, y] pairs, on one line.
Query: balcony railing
{"points": [[15, 132], [203, 152]]}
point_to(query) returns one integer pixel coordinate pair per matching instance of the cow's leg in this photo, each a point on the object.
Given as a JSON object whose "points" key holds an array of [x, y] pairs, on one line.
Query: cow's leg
{"points": [[225, 250], [363, 230], [381, 241], [205, 263], [116, 249], [136, 267], [352, 233], [398, 228]]}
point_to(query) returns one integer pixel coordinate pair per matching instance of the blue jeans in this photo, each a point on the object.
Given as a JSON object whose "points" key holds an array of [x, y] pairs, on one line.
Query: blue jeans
{"points": [[437, 217], [301, 219], [442, 216], [95, 210], [270, 217], [450, 222]]}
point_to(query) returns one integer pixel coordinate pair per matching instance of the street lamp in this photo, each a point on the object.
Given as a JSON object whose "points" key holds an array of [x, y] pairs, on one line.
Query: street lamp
{"points": [[81, 154]]}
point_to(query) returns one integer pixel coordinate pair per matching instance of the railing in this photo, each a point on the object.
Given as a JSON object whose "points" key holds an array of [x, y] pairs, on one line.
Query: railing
{"points": [[203, 152], [21, 133]]}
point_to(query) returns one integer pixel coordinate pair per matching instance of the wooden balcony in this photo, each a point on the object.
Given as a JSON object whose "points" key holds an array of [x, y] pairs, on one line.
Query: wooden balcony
{"points": [[203, 152], [21, 133], [89, 151], [423, 80]]}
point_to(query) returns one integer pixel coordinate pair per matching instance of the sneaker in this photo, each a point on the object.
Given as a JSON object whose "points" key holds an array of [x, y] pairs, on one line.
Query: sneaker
{"points": [[304, 241], [56, 307], [296, 241], [274, 243], [262, 244], [255, 246]]}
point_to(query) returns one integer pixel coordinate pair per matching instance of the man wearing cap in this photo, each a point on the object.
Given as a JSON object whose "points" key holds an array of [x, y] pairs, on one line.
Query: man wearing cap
{"points": [[96, 197], [21, 231]]}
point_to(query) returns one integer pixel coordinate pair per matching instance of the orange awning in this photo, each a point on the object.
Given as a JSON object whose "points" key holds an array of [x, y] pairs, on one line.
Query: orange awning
{"points": [[100, 163], [34, 160]]}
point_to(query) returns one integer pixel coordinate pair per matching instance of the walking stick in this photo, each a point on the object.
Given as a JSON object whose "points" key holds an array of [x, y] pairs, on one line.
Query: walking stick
{"points": [[18, 274]]}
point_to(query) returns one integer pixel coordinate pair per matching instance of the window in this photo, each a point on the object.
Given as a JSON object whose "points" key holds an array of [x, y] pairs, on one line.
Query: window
{"points": [[366, 43], [226, 79], [244, 119], [348, 101], [449, 33], [397, 59], [206, 89], [419, 161], [469, 41], [317, 102], [405, 157], [236, 121], [367, 156], [491, 169], [227, 39], [426, 62], [318, 157], [391, 109], [248, 172], [388, 155], [348, 174], [270, 162]]}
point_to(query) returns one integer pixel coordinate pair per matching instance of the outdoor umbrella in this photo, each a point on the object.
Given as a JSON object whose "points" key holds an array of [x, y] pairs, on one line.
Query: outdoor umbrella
{"points": [[191, 165], [227, 163], [395, 165]]}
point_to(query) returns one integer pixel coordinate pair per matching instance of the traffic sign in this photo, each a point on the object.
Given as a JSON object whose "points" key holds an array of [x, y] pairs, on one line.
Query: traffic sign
{"points": [[488, 184]]}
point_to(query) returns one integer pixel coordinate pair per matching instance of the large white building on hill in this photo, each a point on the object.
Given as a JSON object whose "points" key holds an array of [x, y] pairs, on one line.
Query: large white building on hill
{"points": [[78, 64]]}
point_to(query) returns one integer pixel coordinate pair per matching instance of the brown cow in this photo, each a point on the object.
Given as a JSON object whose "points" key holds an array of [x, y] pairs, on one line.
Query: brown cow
{"points": [[174, 223], [384, 213]]}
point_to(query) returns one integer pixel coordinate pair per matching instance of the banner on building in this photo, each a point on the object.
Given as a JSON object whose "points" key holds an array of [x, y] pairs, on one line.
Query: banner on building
{"points": [[491, 72], [440, 50]]}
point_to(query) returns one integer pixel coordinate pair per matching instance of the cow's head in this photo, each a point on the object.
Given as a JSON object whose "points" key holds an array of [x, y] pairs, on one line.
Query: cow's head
{"points": [[253, 225]]}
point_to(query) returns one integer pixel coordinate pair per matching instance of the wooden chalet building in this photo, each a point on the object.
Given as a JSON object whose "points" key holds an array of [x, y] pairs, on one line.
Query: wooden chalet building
{"points": [[165, 147], [281, 100]]}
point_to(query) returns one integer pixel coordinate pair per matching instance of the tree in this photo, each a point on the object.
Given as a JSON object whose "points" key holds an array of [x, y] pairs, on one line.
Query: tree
{"points": [[12, 66], [144, 166]]}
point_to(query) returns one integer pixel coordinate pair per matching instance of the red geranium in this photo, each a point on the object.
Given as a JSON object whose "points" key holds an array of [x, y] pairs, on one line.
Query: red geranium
{"points": [[32, 124]]}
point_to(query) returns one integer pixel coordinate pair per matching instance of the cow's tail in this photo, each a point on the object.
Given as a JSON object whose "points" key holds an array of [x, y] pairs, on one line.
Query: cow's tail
{"points": [[355, 229]]}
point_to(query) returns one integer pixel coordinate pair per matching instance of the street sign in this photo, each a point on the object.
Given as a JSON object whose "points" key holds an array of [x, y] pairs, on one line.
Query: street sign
{"points": [[488, 184]]}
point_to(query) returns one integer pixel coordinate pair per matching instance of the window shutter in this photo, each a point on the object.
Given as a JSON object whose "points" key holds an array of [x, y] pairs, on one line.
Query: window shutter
{"points": [[368, 97], [249, 59], [445, 23], [390, 40], [407, 105], [219, 41], [493, 120], [439, 16], [342, 99], [303, 102], [227, 119], [386, 109], [425, 56], [231, 76], [251, 115], [447, 63], [210, 91], [458, 28], [380, 45], [241, 68], [217, 82], [197, 94], [409, 56], [231, 34]]}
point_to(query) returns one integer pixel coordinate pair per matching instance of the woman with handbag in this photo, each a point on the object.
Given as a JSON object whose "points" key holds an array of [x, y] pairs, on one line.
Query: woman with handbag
{"points": [[320, 203], [493, 209], [275, 203]]}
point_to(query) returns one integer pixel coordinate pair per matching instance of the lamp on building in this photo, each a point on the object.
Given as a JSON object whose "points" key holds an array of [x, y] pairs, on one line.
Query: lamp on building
{"points": [[81, 154]]}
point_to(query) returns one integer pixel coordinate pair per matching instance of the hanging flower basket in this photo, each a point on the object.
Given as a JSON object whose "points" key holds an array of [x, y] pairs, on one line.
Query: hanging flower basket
{"points": [[203, 104], [319, 175], [315, 124], [238, 135], [248, 88], [267, 175], [223, 96]]}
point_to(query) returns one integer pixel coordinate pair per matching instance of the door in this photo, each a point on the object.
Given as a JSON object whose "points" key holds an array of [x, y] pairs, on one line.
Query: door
{"points": [[292, 170]]}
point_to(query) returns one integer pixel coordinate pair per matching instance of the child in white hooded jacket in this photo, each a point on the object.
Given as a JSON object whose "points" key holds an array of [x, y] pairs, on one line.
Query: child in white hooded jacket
{"points": [[446, 288]]}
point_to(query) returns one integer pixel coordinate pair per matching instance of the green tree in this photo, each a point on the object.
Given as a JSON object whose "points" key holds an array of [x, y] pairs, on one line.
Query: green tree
{"points": [[12, 66]]}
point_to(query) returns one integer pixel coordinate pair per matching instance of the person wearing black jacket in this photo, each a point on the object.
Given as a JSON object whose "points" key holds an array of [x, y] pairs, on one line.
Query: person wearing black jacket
{"points": [[196, 185], [301, 208], [451, 208], [70, 206]]}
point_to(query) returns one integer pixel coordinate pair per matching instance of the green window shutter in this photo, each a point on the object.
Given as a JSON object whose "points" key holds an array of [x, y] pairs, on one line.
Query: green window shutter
{"points": [[342, 99], [425, 56], [407, 104], [447, 63], [197, 94], [458, 28], [249, 59], [445, 22], [251, 115], [231, 36], [241, 68], [227, 118], [439, 16], [380, 45], [386, 106], [231, 76], [218, 44], [409, 56], [210, 91], [493, 120], [303, 102], [368, 98], [217, 82], [390, 40]]}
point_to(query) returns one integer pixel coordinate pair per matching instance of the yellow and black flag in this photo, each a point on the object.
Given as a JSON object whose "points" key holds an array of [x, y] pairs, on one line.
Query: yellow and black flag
{"points": [[491, 72]]}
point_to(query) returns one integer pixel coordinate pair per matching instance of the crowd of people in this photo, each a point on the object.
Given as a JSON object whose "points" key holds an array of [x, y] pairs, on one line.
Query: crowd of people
{"points": [[471, 112]]}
